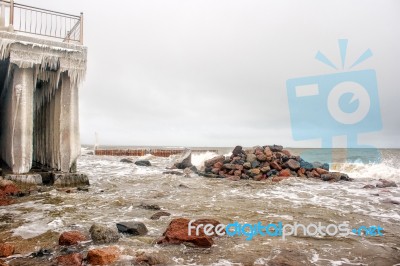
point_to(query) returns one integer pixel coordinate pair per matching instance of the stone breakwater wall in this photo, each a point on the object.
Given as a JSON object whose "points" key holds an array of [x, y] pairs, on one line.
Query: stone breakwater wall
{"points": [[267, 162]]}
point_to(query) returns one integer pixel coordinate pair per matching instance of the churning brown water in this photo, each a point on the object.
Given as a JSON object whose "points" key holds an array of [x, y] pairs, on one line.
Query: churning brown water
{"points": [[117, 189]]}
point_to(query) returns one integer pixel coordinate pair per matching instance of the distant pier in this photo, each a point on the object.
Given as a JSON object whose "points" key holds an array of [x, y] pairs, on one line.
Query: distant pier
{"points": [[142, 152]]}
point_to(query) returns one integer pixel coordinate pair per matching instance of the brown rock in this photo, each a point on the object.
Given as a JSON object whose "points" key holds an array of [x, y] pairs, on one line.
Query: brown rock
{"points": [[275, 165], [239, 167], [315, 173], [73, 259], [9, 188], [292, 164], [103, 256], [265, 169], [268, 152], [237, 173], [259, 177], [247, 165], [212, 161], [286, 152], [6, 249], [251, 158], [255, 171], [229, 166], [177, 233], [321, 171], [369, 186], [262, 157], [218, 165], [71, 238], [285, 172]]}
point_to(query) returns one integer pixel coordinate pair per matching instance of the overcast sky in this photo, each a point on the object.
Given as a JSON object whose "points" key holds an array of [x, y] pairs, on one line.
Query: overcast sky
{"points": [[213, 73]]}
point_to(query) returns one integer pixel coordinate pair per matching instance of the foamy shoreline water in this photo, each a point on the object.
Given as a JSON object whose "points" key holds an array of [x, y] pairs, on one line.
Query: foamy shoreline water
{"points": [[117, 189]]}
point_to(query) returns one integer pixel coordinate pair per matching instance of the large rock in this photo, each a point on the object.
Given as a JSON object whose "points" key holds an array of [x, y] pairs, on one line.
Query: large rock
{"points": [[177, 233], [103, 256], [212, 161], [237, 151], [73, 259], [103, 235], [275, 165], [71, 238], [306, 165], [143, 163], [6, 249], [292, 164], [133, 228], [285, 172], [251, 158], [185, 160], [276, 148], [70, 179]]}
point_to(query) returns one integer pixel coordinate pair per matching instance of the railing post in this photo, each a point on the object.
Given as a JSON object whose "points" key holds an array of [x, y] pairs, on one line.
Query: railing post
{"points": [[12, 12], [81, 30]]}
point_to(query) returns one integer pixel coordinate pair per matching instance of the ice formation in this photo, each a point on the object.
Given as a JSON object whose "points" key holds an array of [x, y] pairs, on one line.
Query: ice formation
{"points": [[39, 82]]}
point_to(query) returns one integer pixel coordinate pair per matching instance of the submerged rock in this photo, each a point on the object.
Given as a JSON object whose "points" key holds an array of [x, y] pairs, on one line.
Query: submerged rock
{"points": [[73, 259], [125, 160], [157, 215], [6, 249], [147, 259], [133, 228], [143, 163], [103, 235], [149, 206], [172, 173], [385, 183]]}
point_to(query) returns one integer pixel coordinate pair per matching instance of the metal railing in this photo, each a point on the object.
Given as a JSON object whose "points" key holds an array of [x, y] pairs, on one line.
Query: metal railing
{"points": [[43, 22]]}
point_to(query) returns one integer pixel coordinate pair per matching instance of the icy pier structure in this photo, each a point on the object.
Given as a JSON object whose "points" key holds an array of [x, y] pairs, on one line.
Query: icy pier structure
{"points": [[39, 116]]}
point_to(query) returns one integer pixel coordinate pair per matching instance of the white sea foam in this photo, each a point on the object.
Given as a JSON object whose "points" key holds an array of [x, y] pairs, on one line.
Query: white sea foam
{"points": [[198, 159]]}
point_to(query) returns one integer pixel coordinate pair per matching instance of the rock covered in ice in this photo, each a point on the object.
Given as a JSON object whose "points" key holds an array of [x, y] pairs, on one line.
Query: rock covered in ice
{"points": [[185, 160]]}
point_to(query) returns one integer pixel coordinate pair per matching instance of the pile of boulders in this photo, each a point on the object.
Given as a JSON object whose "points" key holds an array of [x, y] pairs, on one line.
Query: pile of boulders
{"points": [[267, 162]]}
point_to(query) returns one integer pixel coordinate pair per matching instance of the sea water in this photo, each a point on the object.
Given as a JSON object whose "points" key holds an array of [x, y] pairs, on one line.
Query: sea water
{"points": [[117, 190]]}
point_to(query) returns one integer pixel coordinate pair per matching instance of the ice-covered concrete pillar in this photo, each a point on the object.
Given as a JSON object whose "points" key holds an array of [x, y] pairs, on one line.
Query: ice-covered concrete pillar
{"points": [[39, 123], [18, 120], [67, 96]]}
